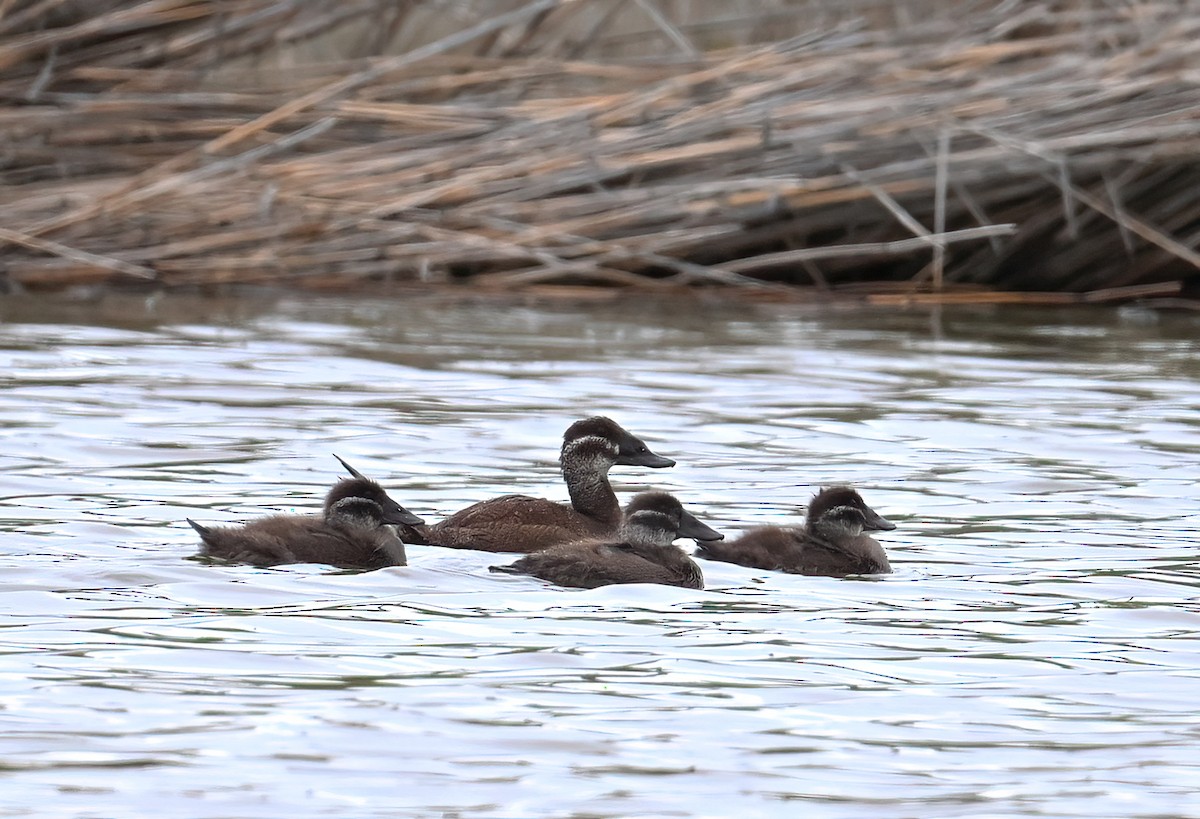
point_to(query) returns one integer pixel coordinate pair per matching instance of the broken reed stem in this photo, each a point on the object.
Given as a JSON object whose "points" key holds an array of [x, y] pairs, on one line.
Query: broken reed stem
{"points": [[939, 207], [1134, 225], [76, 255], [1071, 192], [898, 248]]}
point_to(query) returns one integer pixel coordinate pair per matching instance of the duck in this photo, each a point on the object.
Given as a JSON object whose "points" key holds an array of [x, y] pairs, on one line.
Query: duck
{"points": [[643, 550], [520, 523], [352, 533], [831, 542]]}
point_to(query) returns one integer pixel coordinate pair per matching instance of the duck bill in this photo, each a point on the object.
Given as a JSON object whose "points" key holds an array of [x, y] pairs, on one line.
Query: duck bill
{"points": [[646, 458], [397, 514], [691, 527], [875, 521]]}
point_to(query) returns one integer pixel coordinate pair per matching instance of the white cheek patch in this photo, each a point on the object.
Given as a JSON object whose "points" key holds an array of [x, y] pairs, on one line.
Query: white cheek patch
{"points": [[591, 451], [357, 512], [847, 518], [650, 527]]}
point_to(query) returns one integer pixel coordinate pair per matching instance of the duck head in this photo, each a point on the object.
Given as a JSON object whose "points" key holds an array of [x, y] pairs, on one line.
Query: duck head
{"points": [[658, 517], [600, 436], [361, 487], [355, 511], [843, 505]]}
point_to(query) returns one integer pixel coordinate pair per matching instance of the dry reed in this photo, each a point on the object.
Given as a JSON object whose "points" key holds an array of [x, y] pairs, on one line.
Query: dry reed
{"points": [[1003, 147]]}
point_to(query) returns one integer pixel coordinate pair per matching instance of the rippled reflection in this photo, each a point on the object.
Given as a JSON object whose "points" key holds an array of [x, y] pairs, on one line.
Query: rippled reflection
{"points": [[1035, 652]]}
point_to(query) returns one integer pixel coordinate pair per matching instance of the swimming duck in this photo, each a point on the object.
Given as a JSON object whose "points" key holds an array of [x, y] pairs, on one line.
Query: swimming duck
{"points": [[519, 523], [352, 533], [830, 543], [643, 550]]}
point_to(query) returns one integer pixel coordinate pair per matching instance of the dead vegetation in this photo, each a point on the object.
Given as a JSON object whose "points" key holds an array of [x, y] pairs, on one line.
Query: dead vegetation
{"points": [[1048, 150]]}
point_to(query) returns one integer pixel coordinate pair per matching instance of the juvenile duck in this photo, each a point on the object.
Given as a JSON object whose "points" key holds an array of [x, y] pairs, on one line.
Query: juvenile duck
{"points": [[643, 550], [352, 533], [519, 523], [830, 543]]}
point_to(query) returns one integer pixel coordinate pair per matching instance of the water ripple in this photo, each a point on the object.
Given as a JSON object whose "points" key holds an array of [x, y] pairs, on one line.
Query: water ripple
{"points": [[1035, 653]]}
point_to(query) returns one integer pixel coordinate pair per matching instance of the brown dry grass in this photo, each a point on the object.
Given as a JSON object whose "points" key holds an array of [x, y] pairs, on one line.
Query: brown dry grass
{"points": [[947, 147]]}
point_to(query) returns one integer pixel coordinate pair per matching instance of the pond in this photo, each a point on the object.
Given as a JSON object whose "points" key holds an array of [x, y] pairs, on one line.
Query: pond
{"points": [[1035, 652]]}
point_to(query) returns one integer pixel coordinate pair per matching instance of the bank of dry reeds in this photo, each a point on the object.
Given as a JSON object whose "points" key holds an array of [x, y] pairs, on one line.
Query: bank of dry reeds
{"points": [[1006, 146]]}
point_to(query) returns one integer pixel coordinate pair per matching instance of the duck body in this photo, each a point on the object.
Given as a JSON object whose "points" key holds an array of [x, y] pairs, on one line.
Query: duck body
{"points": [[512, 523], [641, 552], [352, 533], [590, 564], [520, 523], [832, 542]]}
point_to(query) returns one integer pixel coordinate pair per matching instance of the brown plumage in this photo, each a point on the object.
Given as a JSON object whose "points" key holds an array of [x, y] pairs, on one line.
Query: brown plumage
{"points": [[520, 523], [830, 543], [351, 534], [642, 552]]}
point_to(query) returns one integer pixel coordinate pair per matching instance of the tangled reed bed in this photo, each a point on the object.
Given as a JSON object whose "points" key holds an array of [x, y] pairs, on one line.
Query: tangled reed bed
{"points": [[1047, 150]]}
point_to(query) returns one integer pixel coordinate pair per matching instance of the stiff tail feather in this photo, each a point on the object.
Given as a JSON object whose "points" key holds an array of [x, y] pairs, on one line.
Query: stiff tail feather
{"points": [[203, 531]]}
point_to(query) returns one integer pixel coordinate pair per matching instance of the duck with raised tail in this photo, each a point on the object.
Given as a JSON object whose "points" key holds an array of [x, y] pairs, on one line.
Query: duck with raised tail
{"points": [[352, 532]]}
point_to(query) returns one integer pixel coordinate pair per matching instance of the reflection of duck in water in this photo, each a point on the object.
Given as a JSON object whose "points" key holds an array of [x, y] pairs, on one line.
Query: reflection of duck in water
{"points": [[519, 523], [351, 534], [642, 552], [830, 543]]}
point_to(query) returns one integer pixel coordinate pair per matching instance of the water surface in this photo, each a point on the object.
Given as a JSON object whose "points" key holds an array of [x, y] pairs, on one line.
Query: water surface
{"points": [[1035, 652]]}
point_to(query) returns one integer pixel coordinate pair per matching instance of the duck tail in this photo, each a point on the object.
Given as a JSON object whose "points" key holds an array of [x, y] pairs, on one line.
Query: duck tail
{"points": [[203, 531], [511, 568]]}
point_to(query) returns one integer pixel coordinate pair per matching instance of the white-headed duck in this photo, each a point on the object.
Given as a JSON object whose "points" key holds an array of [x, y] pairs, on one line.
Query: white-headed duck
{"points": [[351, 534], [830, 543], [642, 552], [520, 523]]}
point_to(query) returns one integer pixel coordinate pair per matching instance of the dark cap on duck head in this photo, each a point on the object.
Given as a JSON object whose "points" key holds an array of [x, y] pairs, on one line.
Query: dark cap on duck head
{"points": [[833, 497], [665, 510], [630, 449], [360, 486]]}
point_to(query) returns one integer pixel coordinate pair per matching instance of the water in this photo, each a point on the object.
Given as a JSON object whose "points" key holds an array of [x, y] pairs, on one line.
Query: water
{"points": [[1035, 653]]}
